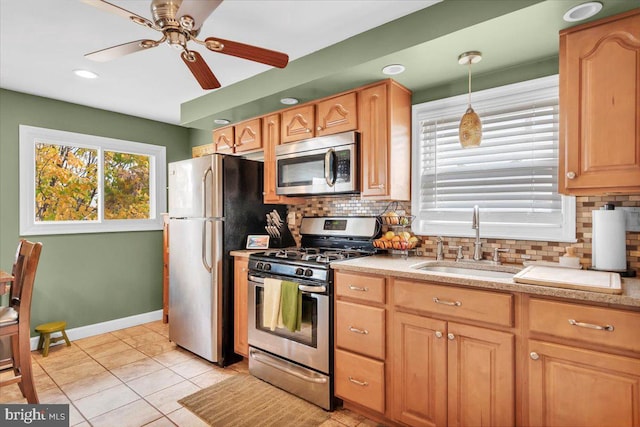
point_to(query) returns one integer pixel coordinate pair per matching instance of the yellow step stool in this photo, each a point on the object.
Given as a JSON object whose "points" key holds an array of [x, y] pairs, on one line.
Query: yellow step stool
{"points": [[45, 330]]}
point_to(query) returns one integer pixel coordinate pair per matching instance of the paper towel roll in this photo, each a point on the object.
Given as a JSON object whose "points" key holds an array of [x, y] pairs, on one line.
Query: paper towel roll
{"points": [[609, 249]]}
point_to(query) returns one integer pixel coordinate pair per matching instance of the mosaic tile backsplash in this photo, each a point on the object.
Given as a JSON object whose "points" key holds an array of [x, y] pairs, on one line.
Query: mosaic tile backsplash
{"points": [[519, 250]]}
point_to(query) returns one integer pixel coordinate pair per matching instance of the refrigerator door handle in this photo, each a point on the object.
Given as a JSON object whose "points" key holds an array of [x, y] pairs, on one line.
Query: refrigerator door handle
{"points": [[204, 191], [204, 246]]}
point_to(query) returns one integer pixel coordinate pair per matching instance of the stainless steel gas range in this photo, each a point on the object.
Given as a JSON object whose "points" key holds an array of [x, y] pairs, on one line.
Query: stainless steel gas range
{"points": [[301, 361]]}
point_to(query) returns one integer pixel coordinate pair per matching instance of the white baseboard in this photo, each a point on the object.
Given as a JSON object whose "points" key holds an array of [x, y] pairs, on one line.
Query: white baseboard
{"points": [[104, 327]]}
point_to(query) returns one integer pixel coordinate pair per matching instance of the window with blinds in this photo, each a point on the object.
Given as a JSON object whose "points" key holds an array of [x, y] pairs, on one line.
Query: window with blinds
{"points": [[512, 176]]}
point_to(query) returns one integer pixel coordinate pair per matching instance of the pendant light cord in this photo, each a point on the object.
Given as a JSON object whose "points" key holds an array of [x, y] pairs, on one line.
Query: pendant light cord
{"points": [[469, 106]]}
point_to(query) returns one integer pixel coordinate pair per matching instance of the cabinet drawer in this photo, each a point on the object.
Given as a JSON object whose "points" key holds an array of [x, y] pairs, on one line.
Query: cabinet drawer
{"points": [[360, 380], [360, 328], [484, 306], [615, 328], [360, 286]]}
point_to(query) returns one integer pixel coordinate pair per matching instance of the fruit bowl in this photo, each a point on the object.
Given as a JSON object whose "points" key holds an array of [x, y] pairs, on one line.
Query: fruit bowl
{"points": [[393, 218], [400, 241]]}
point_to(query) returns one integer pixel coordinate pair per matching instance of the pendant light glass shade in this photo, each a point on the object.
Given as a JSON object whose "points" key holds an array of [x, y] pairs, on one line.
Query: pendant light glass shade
{"points": [[470, 130]]}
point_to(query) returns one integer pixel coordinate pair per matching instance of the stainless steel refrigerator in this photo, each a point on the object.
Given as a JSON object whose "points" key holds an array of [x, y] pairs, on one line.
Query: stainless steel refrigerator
{"points": [[214, 203]]}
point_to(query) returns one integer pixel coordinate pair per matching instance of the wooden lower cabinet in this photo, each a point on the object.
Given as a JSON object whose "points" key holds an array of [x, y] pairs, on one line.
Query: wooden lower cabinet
{"points": [[570, 386], [360, 380], [451, 374], [240, 298], [419, 370]]}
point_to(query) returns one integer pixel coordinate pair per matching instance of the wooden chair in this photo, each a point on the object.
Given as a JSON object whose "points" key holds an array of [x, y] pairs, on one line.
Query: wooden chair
{"points": [[19, 329]]}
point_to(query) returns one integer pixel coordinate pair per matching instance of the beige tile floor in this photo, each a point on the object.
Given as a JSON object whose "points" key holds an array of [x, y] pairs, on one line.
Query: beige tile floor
{"points": [[132, 377]]}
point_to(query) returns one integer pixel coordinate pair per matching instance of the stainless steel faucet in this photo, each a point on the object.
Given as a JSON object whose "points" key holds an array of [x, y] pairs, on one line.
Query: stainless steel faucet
{"points": [[475, 225]]}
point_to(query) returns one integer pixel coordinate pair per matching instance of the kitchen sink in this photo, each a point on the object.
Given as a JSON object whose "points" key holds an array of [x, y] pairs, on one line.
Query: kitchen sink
{"points": [[469, 269]]}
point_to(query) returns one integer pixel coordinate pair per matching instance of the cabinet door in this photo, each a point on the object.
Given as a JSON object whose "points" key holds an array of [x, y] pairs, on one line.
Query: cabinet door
{"points": [[223, 139], [241, 289], [298, 124], [481, 376], [270, 139], [374, 143], [248, 135], [419, 370], [600, 107], [336, 115], [575, 387]]}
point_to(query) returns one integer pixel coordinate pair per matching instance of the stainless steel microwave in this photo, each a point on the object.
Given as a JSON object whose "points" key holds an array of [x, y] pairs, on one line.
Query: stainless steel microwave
{"points": [[323, 165]]}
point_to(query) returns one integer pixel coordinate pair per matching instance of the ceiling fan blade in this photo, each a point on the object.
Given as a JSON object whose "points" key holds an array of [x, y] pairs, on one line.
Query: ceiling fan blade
{"points": [[199, 10], [247, 51], [114, 52], [200, 70], [106, 6]]}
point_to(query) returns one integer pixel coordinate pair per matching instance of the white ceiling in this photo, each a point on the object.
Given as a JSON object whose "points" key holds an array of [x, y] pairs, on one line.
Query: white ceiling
{"points": [[42, 41]]}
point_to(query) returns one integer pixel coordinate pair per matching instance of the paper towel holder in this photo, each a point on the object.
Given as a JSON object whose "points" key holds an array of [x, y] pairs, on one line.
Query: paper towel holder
{"points": [[629, 272]]}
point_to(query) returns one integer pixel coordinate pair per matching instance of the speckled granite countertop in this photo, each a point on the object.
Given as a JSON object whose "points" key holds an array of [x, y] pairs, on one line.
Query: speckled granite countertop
{"points": [[244, 253], [402, 267]]}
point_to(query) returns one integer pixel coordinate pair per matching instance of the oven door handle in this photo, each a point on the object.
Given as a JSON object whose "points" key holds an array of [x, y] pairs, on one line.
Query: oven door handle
{"points": [[303, 288], [281, 367], [329, 167], [313, 289]]}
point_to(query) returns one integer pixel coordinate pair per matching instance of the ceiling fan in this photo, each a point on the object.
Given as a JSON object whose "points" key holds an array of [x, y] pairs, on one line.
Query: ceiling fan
{"points": [[180, 21]]}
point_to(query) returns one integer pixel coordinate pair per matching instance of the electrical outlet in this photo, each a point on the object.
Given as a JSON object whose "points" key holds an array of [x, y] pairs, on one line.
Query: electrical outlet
{"points": [[631, 218], [291, 218]]}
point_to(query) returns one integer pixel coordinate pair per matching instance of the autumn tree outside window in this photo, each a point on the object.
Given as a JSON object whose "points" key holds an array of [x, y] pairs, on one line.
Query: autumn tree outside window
{"points": [[75, 183]]}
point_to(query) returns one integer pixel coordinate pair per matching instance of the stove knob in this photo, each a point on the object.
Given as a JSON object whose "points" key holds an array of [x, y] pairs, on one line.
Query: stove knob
{"points": [[259, 266], [267, 266], [308, 272], [299, 271]]}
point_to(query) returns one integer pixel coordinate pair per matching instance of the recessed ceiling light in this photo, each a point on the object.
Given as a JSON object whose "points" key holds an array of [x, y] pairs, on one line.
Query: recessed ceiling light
{"points": [[85, 74], [582, 11], [221, 121], [289, 101], [393, 69]]}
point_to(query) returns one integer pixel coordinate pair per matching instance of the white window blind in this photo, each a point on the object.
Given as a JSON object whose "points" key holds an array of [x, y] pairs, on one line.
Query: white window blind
{"points": [[512, 176]]}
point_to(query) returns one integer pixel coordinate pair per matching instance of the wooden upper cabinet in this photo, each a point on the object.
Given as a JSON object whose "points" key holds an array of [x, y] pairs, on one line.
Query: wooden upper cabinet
{"points": [[271, 139], [223, 139], [337, 114], [384, 122], [328, 116], [600, 106], [248, 135], [298, 123]]}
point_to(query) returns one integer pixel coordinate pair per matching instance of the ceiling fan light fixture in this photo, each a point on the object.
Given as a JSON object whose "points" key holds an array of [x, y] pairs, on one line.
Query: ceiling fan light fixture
{"points": [[582, 11], [289, 101], [470, 129], [86, 74], [393, 69]]}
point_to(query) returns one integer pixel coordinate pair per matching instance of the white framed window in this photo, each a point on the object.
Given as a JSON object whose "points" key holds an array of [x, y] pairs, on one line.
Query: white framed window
{"points": [[75, 183], [512, 176]]}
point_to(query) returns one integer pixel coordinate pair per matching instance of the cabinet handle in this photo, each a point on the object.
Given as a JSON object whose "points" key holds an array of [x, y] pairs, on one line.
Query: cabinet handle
{"points": [[358, 288], [358, 331], [452, 303], [591, 325], [571, 175], [438, 334], [360, 383], [533, 355], [307, 130], [381, 186], [319, 128], [451, 336], [244, 269]]}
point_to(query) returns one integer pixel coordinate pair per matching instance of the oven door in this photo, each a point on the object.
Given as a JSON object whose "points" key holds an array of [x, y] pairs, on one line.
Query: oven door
{"points": [[310, 345], [321, 171]]}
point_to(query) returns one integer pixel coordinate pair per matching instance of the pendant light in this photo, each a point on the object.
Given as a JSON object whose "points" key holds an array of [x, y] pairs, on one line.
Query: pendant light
{"points": [[470, 131]]}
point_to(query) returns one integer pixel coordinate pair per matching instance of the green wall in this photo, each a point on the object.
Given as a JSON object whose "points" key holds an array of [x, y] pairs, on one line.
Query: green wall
{"points": [[83, 278]]}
